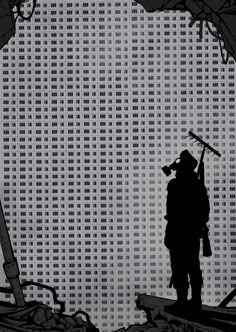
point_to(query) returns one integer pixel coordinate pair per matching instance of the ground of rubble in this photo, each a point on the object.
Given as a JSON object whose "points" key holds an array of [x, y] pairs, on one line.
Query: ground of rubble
{"points": [[39, 317], [158, 320]]}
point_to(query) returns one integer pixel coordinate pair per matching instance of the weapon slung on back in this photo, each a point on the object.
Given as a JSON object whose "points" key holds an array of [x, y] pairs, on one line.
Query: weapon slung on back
{"points": [[201, 176]]}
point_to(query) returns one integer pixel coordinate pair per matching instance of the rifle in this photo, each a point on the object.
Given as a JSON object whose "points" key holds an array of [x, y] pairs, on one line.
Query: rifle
{"points": [[201, 176]]}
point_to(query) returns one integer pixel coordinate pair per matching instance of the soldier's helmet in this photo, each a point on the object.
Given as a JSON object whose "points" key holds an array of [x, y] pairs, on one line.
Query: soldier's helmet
{"points": [[187, 161]]}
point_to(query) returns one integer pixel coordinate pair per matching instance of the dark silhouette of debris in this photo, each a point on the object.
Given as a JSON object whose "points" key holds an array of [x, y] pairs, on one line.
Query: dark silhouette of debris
{"points": [[221, 13], [36, 316], [10, 10], [7, 26]]}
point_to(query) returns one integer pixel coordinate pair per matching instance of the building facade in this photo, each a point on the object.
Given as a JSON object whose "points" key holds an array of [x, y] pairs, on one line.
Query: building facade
{"points": [[97, 96]]}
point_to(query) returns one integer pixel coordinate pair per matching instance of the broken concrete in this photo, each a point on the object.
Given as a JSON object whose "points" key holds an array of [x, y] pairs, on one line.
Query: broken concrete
{"points": [[39, 317], [212, 319]]}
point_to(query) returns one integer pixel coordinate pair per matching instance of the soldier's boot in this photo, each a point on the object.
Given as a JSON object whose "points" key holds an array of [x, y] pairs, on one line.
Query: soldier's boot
{"points": [[182, 297], [181, 305]]}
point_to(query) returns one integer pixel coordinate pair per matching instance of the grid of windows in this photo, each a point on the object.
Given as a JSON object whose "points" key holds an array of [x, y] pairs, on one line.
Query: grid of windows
{"points": [[96, 97]]}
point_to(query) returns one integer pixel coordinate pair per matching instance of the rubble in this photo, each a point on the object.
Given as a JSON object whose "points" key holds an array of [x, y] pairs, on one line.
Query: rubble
{"points": [[39, 317], [159, 320], [36, 317]]}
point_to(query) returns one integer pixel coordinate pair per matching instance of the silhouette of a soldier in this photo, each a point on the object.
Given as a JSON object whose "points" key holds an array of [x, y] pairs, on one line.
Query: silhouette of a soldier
{"points": [[187, 215]]}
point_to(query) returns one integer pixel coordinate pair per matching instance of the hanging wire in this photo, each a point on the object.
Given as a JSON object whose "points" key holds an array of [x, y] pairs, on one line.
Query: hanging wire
{"points": [[201, 29], [213, 33], [18, 4], [225, 57], [31, 283]]}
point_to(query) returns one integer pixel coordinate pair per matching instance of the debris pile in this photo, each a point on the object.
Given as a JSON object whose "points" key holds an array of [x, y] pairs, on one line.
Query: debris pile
{"points": [[39, 317], [159, 320], [162, 325]]}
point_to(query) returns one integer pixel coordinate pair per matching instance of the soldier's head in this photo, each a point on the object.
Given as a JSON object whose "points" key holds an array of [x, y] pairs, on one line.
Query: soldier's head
{"points": [[187, 163], [183, 165]]}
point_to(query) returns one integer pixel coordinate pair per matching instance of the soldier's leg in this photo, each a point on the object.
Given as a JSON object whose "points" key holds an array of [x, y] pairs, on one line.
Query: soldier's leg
{"points": [[179, 274], [195, 274]]}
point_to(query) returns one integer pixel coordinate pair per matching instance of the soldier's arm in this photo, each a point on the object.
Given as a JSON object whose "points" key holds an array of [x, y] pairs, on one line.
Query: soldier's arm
{"points": [[169, 201]]}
